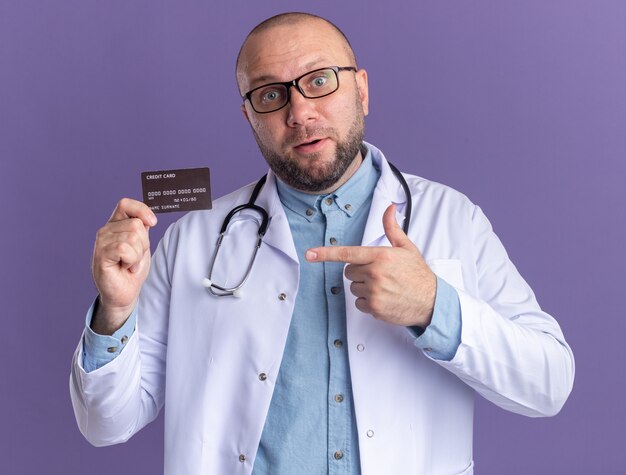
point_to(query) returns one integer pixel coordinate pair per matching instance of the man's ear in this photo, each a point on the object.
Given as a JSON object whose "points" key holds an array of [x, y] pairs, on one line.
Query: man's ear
{"points": [[361, 84], [245, 112]]}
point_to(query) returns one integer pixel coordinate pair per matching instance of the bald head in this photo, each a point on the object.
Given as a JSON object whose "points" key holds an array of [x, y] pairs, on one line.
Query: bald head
{"points": [[263, 33]]}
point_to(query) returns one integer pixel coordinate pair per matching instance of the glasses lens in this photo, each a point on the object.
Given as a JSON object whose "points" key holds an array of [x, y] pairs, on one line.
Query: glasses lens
{"points": [[269, 98], [319, 83]]}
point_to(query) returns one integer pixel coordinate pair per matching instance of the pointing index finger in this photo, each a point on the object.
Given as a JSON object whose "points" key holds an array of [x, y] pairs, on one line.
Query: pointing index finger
{"points": [[347, 254]]}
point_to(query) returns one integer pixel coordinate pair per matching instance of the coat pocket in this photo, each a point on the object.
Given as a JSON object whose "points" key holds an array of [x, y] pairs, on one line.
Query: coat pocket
{"points": [[449, 270]]}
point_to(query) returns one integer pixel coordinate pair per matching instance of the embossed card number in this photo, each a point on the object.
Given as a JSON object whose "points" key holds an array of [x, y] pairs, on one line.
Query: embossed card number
{"points": [[185, 189]]}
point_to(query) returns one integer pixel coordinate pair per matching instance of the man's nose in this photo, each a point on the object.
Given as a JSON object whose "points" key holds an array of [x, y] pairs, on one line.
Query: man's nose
{"points": [[300, 109]]}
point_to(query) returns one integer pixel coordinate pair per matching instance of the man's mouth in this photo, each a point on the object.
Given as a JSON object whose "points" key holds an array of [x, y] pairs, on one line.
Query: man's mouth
{"points": [[309, 144]]}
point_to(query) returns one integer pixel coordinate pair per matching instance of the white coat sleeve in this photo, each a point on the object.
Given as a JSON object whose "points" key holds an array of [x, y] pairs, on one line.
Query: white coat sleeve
{"points": [[113, 402], [511, 352]]}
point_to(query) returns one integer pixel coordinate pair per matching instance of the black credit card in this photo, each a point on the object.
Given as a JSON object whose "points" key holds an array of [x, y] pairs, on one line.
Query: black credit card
{"points": [[186, 189]]}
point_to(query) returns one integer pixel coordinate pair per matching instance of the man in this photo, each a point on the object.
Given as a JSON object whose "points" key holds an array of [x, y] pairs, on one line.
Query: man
{"points": [[318, 366]]}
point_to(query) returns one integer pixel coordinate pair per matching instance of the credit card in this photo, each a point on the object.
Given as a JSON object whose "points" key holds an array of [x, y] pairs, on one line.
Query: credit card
{"points": [[185, 189]]}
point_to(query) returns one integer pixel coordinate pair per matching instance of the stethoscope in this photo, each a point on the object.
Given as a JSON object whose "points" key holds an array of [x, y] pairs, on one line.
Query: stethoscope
{"points": [[223, 291]]}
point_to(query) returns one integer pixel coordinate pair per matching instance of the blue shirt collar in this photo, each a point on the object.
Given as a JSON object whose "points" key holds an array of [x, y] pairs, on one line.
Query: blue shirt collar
{"points": [[348, 198]]}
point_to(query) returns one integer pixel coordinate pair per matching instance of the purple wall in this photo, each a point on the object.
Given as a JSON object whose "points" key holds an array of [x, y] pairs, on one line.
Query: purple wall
{"points": [[521, 105]]}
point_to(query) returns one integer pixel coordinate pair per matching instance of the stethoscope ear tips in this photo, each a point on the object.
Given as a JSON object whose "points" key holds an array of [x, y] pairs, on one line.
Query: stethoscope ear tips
{"points": [[206, 282], [237, 293]]}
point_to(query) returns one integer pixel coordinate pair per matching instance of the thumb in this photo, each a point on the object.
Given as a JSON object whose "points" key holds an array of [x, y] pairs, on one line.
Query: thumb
{"points": [[393, 231]]}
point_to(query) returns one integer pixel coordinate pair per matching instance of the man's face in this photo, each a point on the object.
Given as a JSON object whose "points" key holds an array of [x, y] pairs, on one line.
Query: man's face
{"points": [[311, 144]]}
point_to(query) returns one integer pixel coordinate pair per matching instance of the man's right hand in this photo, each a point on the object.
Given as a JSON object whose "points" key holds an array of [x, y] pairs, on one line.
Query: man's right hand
{"points": [[120, 265]]}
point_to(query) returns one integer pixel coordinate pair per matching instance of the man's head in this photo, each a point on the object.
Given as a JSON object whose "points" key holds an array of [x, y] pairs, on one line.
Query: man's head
{"points": [[312, 144]]}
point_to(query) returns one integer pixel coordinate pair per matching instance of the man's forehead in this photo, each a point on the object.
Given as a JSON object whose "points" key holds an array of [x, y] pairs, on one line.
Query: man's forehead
{"points": [[263, 73], [286, 50]]}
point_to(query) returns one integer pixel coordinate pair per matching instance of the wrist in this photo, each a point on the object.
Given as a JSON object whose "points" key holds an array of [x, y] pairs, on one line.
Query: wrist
{"points": [[427, 306], [107, 319]]}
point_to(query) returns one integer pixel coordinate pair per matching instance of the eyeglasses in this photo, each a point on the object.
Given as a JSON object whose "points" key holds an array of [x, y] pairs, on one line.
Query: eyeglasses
{"points": [[312, 85]]}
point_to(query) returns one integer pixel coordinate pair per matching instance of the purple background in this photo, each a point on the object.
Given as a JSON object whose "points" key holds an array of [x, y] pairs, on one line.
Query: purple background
{"points": [[520, 105]]}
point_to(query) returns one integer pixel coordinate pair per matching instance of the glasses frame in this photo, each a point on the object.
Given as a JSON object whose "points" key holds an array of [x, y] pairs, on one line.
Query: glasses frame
{"points": [[295, 83]]}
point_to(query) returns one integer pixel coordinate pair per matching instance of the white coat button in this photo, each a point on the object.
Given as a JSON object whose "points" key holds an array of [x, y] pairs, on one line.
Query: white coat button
{"points": [[338, 455], [242, 458], [360, 347], [370, 433], [262, 377], [282, 296]]}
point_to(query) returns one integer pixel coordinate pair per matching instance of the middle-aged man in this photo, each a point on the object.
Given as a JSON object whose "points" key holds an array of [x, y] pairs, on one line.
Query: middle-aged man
{"points": [[313, 366]]}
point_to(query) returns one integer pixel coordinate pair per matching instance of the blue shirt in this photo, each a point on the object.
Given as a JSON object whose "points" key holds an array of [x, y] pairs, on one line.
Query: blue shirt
{"points": [[311, 426]]}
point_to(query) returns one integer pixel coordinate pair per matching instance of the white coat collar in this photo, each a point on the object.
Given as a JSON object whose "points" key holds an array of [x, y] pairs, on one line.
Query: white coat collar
{"points": [[278, 233], [388, 191]]}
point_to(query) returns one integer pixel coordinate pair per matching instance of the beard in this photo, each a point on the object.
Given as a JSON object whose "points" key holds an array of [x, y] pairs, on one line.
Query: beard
{"points": [[307, 177]]}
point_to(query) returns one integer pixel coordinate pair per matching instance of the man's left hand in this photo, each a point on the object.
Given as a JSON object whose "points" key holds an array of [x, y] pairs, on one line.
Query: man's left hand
{"points": [[394, 284]]}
